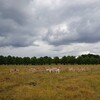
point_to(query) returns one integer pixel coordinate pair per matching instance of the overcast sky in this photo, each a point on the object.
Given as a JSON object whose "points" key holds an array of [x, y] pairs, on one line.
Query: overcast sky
{"points": [[49, 27]]}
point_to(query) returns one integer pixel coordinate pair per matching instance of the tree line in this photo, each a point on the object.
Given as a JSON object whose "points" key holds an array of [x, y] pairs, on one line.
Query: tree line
{"points": [[83, 59]]}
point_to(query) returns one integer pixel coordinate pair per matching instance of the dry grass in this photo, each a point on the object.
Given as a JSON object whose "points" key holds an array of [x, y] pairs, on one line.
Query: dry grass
{"points": [[77, 84]]}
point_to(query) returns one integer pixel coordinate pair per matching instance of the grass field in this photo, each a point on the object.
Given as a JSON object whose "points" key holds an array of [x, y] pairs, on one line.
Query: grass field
{"points": [[66, 85]]}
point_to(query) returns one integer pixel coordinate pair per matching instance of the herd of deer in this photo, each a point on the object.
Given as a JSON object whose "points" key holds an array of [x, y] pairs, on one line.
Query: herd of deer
{"points": [[50, 70]]}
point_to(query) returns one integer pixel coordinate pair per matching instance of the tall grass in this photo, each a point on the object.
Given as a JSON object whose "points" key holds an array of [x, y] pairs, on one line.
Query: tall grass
{"points": [[66, 85]]}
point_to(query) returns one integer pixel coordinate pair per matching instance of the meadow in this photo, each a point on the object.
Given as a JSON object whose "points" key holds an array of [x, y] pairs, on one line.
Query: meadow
{"points": [[42, 85]]}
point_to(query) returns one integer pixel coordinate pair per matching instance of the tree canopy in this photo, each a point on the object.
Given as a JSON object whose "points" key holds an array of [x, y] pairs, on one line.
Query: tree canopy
{"points": [[82, 59]]}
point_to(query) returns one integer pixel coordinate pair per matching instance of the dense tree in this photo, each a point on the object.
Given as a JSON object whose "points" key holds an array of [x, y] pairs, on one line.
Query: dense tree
{"points": [[71, 60], [64, 60], [49, 61], [9, 60], [41, 61], [2, 60], [19, 61], [33, 60], [83, 59], [56, 60], [26, 60]]}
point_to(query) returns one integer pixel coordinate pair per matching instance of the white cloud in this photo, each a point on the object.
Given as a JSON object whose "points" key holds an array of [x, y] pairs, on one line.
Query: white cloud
{"points": [[43, 27]]}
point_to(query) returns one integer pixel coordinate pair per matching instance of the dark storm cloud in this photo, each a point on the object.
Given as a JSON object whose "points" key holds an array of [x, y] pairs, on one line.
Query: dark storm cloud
{"points": [[83, 25], [13, 24], [58, 22], [14, 10]]}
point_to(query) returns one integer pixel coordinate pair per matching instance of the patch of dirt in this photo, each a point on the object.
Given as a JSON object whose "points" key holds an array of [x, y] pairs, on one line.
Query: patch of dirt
{"points": [[32, 83], [72, 88], [5, 79]]}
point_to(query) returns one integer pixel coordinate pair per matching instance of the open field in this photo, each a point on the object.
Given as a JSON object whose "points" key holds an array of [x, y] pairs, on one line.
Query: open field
{"points": [[81, 82]]}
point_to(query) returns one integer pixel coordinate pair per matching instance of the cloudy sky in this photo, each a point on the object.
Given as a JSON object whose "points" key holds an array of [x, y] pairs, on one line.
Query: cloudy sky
{"points": [[49, 27]]}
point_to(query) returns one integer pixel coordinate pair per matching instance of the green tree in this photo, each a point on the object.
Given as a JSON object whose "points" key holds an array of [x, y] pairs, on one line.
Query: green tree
{"points": [[49, 60], [26, 60], [64, 60], [2, 60], [56, 60], [41, 61], [33, 60]]}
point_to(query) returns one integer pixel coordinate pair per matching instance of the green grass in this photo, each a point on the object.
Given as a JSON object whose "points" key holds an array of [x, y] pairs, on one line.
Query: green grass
{"points": [[66, 85]]}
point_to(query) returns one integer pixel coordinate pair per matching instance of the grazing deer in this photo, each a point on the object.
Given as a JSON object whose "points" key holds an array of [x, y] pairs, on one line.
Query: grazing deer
{"points": [[57, 70], [32, 70], [14, 70], [71, 69]]}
